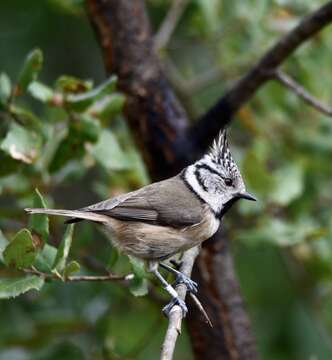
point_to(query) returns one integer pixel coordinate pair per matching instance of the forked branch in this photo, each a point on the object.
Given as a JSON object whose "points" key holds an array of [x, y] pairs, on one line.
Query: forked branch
{"points": [[301, 92], [246, 87], [168, 26]]}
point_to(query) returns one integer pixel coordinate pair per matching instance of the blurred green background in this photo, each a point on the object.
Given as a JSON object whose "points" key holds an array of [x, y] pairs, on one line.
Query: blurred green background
{"points": [[282, 245]]}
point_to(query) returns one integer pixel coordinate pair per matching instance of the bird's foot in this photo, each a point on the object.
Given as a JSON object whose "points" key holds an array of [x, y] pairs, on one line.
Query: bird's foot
{"points": [[191, 285], [175, 301]]}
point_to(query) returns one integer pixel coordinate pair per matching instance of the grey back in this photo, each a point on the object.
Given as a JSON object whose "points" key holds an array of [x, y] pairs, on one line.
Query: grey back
{"points": [[168, 202]]}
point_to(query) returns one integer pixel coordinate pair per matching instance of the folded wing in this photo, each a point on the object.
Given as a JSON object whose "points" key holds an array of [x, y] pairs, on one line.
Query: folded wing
{"points": [[168, 202]]}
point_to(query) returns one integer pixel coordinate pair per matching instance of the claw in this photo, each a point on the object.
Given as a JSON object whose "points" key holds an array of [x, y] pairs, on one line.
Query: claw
{"points": [[175, 301], [191, 285]]}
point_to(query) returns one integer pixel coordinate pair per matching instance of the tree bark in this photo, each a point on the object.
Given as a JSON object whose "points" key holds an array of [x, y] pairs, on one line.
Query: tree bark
{"points": [[161, 129], [156, 118], [220, 297]]}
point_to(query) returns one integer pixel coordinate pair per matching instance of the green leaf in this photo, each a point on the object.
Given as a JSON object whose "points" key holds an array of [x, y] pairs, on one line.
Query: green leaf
{"points": [[289, 184], [254, 171], [84, 128], [282, 233], [138, 285], [5, 88], [107, 152], [71, 84], [10, 288], [72, 146], [3, 244], [39, 222], [45, 259], [88, 127], [113, 258], [81, 102], [106, 108], [21, 144], [30, 70], [71, 268], [40, 91], [63, 251], [26, 117], [21, 251], [138, 266]]}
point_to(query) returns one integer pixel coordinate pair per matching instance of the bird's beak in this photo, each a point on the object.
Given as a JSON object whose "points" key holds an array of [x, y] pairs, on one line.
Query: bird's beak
{"points": [[246, 195]]}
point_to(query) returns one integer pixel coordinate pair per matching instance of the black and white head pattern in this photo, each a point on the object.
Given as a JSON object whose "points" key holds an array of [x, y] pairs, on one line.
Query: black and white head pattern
{"points": [[215, 178]]}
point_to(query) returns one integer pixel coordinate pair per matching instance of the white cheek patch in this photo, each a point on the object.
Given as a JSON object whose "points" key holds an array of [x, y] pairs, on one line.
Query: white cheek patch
{"points": [[211, 199]]}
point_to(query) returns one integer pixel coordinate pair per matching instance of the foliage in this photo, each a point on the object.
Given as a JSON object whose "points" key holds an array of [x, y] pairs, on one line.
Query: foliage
{"points": [[83, 134], [66, 137]]}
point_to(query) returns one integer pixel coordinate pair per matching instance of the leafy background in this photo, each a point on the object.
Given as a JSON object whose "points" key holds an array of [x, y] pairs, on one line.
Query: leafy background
{"points": [[66, 137]]}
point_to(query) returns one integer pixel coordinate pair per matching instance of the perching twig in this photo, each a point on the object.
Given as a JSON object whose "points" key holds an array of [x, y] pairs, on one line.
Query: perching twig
{"points": [[167, 27], [175, 316], [301, 92]]}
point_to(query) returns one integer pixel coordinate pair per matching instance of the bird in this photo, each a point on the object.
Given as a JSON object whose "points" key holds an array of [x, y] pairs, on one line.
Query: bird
{"points": [[171, 216]]}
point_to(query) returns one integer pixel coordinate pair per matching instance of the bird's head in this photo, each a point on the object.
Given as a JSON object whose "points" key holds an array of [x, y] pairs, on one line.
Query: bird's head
{"points": [[216, 179]]}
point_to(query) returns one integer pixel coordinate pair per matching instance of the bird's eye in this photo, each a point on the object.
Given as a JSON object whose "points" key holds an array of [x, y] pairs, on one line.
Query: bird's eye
{"points": [[228, 181]]}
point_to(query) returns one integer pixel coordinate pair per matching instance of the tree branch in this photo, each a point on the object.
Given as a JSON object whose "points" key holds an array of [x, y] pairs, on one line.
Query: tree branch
{"points": [[301, 92], [220, 297], [221, 113], [168, 26], [158, 121], [160, 126], [175, 316], [75, 278]]}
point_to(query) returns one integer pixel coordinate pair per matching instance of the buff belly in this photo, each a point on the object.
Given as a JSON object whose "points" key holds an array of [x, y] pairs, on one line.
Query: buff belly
{"points": [[154, 242]]}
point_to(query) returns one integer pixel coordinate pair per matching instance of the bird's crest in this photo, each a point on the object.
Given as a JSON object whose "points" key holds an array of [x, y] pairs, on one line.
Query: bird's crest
{"points": [[220, 153], [219, 150]]}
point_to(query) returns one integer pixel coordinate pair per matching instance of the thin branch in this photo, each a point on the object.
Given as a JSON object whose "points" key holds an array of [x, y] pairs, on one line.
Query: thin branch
{"points": [[220, 295], [244, 89], [301, 92], [168, 26], [175, 316], [201, 308], [110, 277], [75, 278]]}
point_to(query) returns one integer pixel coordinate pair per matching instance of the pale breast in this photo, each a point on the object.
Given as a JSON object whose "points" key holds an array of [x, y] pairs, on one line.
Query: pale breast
{"points": [[155, 242], [205, 229]]}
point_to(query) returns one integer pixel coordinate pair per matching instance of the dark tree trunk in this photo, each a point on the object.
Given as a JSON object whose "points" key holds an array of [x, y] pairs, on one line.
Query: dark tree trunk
{"points": [[161, 130]]}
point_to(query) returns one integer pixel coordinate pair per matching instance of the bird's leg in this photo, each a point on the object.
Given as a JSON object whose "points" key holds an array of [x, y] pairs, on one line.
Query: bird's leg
{"points": [[180, 278], [153, 268]]}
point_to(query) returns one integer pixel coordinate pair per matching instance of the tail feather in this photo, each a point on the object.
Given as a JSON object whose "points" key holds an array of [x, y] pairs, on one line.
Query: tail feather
{"points": [[75, 214]]}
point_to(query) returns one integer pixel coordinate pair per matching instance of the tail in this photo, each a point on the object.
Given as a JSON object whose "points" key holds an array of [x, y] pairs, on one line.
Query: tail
{"points": [[75, 214]]}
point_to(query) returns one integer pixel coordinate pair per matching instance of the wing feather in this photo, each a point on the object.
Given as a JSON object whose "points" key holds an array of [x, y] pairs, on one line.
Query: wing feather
{"points": [[168, 202]]}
